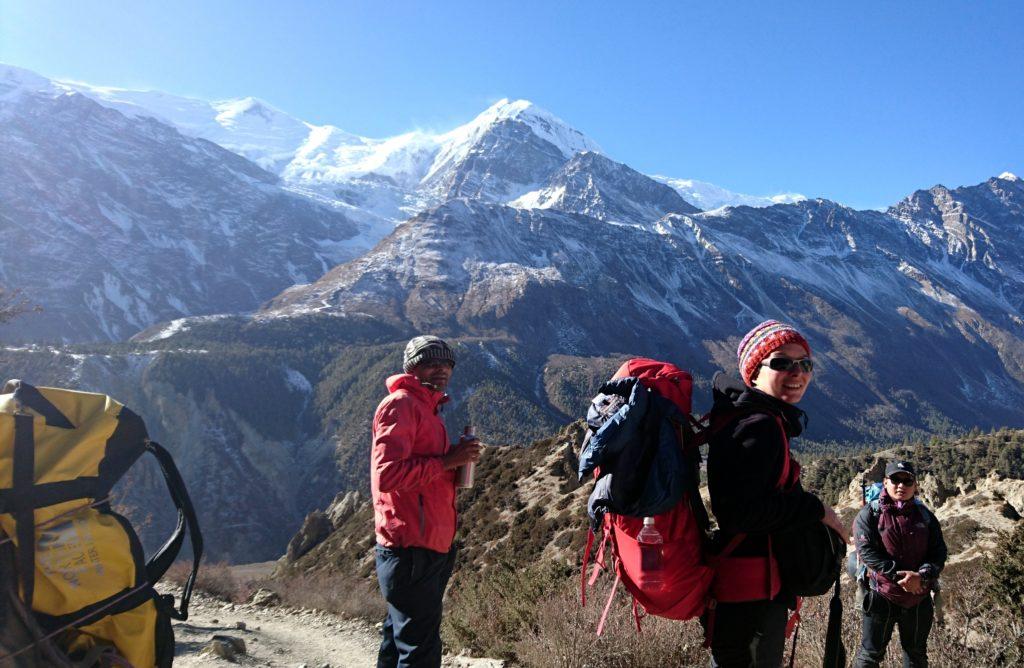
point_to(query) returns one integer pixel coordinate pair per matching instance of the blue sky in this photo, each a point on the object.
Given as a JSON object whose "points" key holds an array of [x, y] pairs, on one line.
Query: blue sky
{"points": [[861, 102]]}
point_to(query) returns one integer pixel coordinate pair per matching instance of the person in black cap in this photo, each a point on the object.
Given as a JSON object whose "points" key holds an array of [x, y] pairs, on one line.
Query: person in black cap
{"points": [[412, 479], [900, 542]]}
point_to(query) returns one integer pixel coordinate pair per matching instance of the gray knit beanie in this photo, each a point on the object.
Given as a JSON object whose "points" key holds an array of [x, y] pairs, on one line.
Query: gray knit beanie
{"points": [[423, 348]]}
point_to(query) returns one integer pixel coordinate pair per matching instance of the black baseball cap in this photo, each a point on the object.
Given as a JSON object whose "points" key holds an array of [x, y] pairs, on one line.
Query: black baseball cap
{"points": [[900, 467]]}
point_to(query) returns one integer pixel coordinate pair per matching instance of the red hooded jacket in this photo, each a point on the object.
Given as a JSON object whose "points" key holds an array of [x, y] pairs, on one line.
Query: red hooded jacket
{"points": [[413, 494]]}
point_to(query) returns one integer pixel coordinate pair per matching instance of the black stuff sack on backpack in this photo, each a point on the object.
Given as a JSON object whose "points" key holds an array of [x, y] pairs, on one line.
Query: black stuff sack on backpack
{"points": [[810, 559]]}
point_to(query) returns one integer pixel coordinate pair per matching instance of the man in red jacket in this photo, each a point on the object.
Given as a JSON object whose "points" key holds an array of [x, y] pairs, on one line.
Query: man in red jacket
{"points": [[412, 478]]}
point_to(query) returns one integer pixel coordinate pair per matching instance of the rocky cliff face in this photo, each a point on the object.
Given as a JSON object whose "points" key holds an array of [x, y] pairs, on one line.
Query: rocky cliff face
{"points": [[262, 435], [887, 314], [975, 230], [113, 224], [596, 186], [253, 467]]}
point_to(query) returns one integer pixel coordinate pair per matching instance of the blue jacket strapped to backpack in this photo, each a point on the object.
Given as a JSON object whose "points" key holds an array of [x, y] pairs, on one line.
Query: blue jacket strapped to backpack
{"points": [[643, 470]]}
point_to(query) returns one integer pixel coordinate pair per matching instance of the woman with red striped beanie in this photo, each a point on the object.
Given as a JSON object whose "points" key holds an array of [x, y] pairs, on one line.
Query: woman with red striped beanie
{"points": [[756, 493]]}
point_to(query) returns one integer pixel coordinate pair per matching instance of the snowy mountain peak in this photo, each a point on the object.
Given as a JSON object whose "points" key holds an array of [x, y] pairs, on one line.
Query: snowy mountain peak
{"points": [[424, 168], [708, 196], [788, 198], [247, 126], [544, 124], [505, 108], [1008, 176], [249, 108], [15, 81], [509, 149], [11, 75], [594, 185]]}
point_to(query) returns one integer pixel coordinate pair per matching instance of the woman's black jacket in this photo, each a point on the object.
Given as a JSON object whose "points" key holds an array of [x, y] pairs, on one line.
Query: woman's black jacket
{"points": [[745, 460]]}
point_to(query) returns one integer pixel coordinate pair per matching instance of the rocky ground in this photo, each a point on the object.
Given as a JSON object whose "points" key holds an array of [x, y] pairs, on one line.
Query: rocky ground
{"points": [[219, 634]]}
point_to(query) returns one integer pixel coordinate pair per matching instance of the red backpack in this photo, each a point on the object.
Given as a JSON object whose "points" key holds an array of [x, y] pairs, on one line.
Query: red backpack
{"points": [[693, 579]]}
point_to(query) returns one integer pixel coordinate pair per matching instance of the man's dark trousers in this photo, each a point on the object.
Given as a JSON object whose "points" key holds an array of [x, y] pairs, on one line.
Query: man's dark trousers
{"points": [[880, 616], [412, 580]]}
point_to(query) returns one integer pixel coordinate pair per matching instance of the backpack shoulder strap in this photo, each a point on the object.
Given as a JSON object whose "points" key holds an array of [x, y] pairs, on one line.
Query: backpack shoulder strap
{"points": [[31, 397], [165, 556], [926, 512], [785, 474], [784, 482]]}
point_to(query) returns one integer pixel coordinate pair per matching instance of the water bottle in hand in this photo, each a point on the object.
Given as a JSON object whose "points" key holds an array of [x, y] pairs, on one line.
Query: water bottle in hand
{"points": [[464, 473]]}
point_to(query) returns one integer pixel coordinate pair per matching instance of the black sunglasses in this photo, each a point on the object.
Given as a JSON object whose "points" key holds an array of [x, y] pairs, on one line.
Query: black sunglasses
{"points": [[786, 364], [904, 480]]}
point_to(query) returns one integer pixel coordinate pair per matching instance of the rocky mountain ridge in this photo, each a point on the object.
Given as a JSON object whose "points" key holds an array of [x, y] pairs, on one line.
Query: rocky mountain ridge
{"points": [[307, 154], [596, 186], [892, 303], [114, 223], [141, 175], [527, 504]]}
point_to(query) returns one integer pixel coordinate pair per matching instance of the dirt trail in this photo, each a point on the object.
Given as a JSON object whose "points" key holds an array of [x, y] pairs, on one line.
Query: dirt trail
{"points": [[278, 636]]}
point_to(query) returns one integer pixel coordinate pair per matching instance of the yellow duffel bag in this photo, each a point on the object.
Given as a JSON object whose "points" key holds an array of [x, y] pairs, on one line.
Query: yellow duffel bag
{"points": [[80, 566]]}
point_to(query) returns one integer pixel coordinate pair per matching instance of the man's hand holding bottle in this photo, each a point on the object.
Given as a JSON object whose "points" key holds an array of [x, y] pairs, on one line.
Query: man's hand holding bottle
{"points": [[467, 450]]}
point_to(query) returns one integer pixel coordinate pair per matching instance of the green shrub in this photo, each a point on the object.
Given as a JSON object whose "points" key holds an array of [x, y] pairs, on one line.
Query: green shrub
{"points": [[1006, 570], [564, 635], [342, 594], [215, 579], [488, 612]]}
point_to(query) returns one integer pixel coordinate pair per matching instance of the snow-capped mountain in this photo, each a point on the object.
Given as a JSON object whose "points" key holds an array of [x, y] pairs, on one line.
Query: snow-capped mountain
{"points": [[708, 196], [306, 153], [891, 316], [504, 152], [310, 155], [421, 167], [601, 188], [113, 223], [508, 150], [246, 126]]}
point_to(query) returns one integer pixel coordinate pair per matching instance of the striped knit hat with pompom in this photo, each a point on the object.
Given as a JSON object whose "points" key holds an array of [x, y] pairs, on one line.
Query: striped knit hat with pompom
{"points": [[761, 341]]}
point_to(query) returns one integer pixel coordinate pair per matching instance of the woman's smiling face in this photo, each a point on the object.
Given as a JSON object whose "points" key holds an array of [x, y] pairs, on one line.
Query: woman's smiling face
{"points": [[789, 386]]}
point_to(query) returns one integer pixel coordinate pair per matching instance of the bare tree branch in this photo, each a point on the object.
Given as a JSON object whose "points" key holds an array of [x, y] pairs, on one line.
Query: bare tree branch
{"points": [[13, 304]]}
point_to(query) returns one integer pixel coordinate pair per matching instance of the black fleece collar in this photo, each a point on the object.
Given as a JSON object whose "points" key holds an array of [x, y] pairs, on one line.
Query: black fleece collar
{"points": [[731, 394]]}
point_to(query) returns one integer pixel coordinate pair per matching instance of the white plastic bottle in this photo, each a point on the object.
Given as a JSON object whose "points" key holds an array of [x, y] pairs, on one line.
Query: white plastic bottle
{"points": [[652, 566]]}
